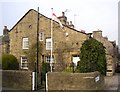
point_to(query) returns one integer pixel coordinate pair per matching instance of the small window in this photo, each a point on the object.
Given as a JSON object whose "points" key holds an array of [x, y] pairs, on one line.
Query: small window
{"points": [[25, 44], [48, 59], [48, 44], [24, 63], [41, 36]]}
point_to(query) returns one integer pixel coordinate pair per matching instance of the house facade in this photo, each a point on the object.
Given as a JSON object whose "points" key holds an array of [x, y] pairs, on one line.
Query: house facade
{"points": [[66, 42], [111, 51]]}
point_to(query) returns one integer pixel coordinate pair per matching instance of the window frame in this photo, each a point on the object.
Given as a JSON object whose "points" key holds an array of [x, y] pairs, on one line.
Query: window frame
{"points": [[74, 58], [48, 43], [41, 36], [25, 43], [48, 60], [24, 63]]}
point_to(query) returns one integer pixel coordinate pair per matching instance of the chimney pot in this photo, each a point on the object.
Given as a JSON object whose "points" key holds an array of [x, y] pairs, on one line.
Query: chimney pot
{"points": [[5, 27], [67, 23], [63, 14], [70, 22], [5, 30]]}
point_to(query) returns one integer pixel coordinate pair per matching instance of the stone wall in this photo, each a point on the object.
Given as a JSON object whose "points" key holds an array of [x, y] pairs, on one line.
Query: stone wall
{"points": [[75, 81], [16, 79]]}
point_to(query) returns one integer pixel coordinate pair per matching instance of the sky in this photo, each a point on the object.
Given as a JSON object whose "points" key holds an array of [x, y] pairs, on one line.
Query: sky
{"points": [[88, 15]]}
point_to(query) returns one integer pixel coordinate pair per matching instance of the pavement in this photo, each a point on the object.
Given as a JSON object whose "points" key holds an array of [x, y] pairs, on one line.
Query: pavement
{"points": [[112, 82]]}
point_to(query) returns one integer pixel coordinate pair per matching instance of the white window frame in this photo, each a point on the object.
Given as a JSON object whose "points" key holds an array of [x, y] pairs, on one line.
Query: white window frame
{"points": [[48, 59], [75, 59], [24, 62], [48, 44], [41, 36], [25, 43]]}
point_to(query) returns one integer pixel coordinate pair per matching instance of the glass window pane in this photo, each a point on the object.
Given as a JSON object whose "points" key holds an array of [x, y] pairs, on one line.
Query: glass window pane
{"points": [[25, 43], [24, 63], [48, 44]]}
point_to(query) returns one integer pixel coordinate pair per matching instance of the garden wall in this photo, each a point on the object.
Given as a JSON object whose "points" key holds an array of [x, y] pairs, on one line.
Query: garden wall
{"points": [[75, 81], [16, 79]]}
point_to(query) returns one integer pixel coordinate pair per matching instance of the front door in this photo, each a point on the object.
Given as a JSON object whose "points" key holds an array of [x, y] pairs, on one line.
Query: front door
{"points": [[76, 59]]}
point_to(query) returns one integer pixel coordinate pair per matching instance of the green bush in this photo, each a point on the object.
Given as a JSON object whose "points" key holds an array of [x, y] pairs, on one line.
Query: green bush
{"points": [[9, 62], [92, 57], [71, 68], [45, 69]]}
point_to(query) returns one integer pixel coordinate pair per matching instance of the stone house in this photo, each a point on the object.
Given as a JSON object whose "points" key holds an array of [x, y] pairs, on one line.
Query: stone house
{"points": [[111, 51], [4, 41], [66, 42]]}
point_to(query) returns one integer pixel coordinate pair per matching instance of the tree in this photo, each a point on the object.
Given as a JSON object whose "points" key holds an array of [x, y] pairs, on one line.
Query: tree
{"points": [[92, 57]]}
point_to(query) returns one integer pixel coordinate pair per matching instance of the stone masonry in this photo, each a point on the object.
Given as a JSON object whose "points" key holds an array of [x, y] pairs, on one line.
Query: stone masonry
{"points": [[66, 41], [110, 51]]}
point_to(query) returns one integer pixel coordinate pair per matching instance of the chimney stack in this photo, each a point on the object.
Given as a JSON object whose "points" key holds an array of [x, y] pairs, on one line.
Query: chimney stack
{"points": [[106, 38], [63, 18], [5, 27], [97, 34], [71, 24], [5, 30]]}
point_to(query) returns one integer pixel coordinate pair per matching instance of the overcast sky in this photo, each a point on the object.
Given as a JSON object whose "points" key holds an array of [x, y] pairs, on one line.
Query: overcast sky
{"points": [[88, 15]]}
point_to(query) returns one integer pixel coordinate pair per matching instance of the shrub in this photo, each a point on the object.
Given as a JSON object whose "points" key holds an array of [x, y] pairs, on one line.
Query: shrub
{"points": [[92, 57], [45, 69], [9, 62], [71, 68]]}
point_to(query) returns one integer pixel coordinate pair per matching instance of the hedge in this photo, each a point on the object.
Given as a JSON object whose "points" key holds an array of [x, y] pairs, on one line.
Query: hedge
{"points": [[9, 62]]}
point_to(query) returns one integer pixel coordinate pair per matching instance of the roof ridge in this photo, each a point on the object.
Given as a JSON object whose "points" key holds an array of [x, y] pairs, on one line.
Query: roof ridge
{"points": [[45, 17]]}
